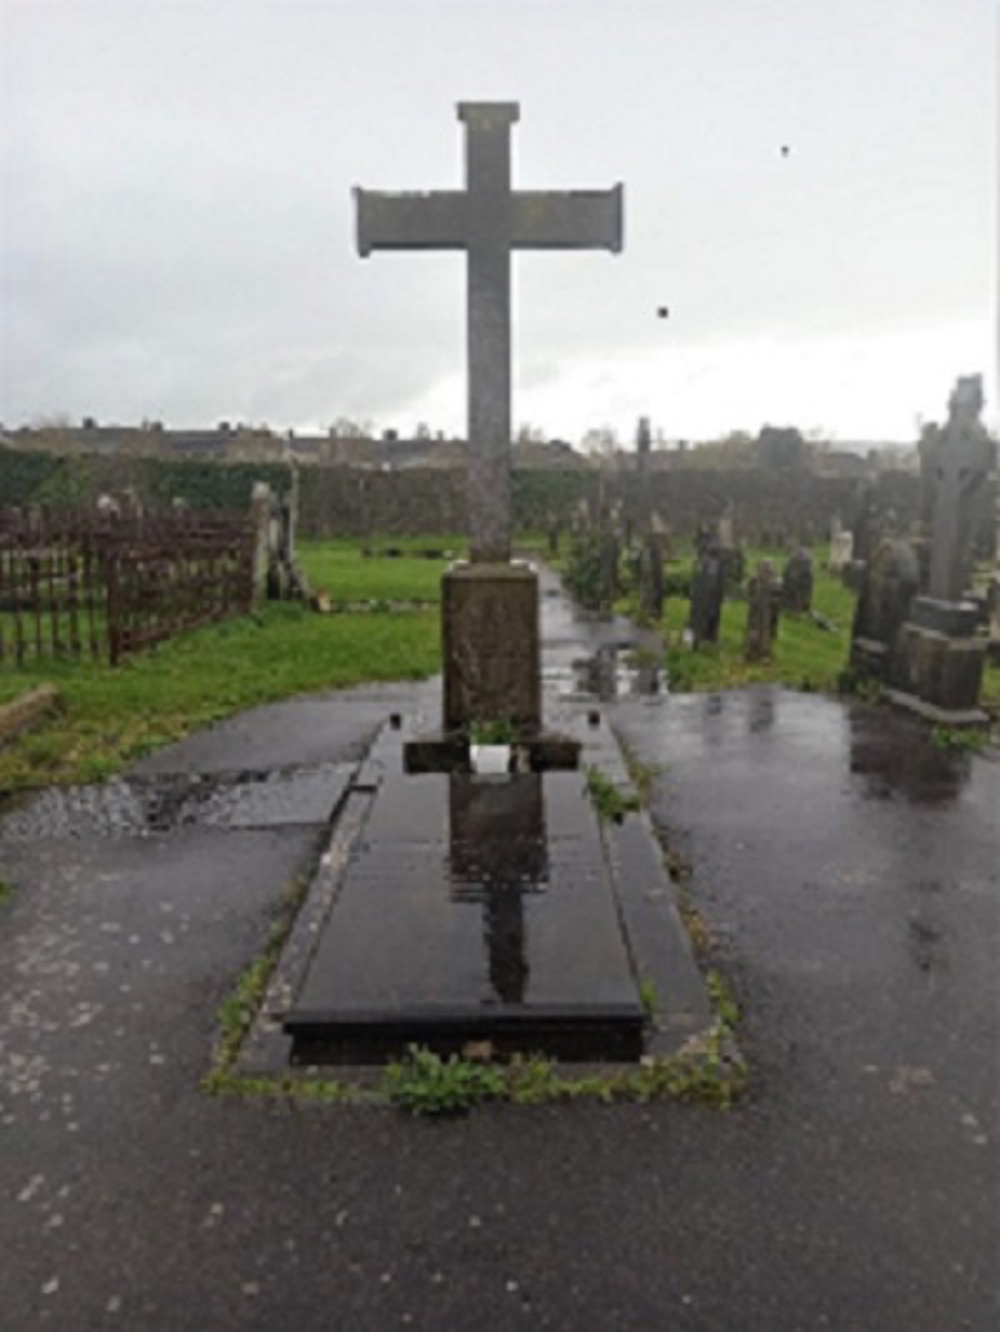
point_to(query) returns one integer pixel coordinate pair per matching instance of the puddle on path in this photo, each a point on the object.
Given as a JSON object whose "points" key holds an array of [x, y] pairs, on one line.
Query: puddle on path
{"points": [[141, 807]]}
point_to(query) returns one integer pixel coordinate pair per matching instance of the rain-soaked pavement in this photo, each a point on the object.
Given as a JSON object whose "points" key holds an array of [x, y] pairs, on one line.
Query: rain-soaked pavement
{"points": [[850, 871]]}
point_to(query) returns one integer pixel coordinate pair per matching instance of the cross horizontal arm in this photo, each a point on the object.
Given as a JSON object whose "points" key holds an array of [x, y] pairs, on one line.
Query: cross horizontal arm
{"points": [[432, 221], [567, 220]]}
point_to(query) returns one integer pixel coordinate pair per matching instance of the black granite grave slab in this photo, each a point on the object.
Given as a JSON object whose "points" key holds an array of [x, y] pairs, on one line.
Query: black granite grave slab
{"points": [[473, 909]]}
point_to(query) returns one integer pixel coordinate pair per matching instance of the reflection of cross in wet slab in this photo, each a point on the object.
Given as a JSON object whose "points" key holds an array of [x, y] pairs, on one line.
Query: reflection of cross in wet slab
{"points": [[488, 220], [497, 853]]}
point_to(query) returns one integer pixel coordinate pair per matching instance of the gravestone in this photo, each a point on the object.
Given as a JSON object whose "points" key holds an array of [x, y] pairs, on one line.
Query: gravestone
{"points": [[797, 583], [890, 581], [942, 654], [708, 587], [841, 551], [260, 519], [490, 605], [554, 533], [650, 558], [763, 603], [993, 609], [610, 561], [580, 517], [727, 527], [651, 583], [866, 528], [731, 551]]}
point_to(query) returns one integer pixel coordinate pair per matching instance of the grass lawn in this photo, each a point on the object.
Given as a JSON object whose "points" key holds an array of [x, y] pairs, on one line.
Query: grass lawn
{"points": [[110, 717], [805, 655], [338, 568]]}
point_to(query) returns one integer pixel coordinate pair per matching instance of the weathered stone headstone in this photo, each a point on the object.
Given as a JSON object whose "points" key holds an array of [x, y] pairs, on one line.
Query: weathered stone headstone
{"points": [[730, 549], [610, 560], [960, 459], [650, 554], [727, 528], [890, 581], [651, 583], [580, 517], [490, 606], [993, 609], [260, 518], [708, 588], [797, 583], [866, 526], [942, 654], [763, 601], [841, 551], [554, 534]]}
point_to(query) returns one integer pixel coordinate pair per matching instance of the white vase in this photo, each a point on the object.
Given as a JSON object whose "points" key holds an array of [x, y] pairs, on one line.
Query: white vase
{"points": [[490, 760]]}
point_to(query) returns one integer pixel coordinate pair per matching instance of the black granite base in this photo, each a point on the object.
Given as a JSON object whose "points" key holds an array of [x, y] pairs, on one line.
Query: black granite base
{"points": [[604, 1035], [472, 909]]}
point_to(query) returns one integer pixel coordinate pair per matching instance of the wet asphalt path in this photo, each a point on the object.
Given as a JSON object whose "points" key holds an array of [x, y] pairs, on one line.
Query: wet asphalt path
{"points": [[850, 872]]}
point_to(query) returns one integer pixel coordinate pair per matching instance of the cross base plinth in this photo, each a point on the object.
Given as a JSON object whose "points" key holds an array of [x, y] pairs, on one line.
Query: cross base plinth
{"points": [[490, 640], [943, 675]]}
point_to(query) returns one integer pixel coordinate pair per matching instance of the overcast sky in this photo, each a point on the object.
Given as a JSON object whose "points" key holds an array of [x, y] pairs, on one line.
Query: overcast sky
{"points": [[178, 235]]}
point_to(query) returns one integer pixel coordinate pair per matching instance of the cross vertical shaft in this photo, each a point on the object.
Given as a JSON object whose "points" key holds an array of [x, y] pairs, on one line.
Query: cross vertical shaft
{"points": [[487, 166]]}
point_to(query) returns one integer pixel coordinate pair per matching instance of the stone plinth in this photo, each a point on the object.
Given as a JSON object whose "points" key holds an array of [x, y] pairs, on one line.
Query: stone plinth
{"points": [[957, 619], [490, 639], [944, 675]]}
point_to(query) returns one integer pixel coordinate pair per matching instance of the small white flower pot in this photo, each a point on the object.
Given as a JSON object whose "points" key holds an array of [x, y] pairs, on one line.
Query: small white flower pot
{"points": [[490, 760]]}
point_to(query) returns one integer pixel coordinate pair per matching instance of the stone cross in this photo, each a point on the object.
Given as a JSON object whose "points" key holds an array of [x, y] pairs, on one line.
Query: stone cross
{"points": [[487, 220], [960, 465]]}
